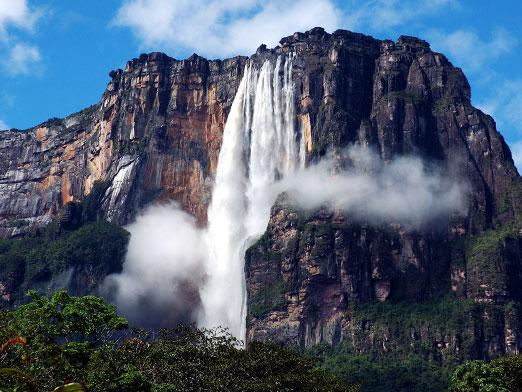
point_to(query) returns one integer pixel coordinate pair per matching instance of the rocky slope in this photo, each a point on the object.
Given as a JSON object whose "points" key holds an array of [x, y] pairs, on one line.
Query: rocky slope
{"points": [[315, 276]]}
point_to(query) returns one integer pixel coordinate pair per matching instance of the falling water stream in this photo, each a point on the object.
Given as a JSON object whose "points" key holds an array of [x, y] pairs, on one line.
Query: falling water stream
{"points": [[260, 146]]}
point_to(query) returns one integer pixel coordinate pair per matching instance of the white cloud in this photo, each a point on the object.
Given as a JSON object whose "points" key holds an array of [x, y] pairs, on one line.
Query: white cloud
{"points": [[220, 28], [405, 190], [505, 101], [18, 58], [468, 50], [16, 13], [504, 104], [162, 272], [22, 59], [3, 125]]}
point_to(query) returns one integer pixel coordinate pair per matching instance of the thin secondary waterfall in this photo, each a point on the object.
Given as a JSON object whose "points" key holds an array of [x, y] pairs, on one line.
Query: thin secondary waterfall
{"points": [[260, 146]]}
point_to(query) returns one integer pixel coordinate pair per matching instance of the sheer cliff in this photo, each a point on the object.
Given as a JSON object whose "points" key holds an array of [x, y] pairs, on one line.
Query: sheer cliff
{"points": [[154, 135], [315, 276]]}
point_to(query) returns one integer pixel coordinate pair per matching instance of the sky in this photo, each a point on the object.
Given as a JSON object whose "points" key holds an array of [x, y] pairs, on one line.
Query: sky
{"points": [[55, 55]]}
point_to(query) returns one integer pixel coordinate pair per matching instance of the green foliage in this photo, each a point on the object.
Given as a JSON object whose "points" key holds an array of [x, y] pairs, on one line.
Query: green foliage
{"points": [[22, 381], [76, 320], [334, 127], [393, 345], [71, 387], [405, 95], [62, 332], [270, 297], [164, 388], [442, 104], [402, 363], [98, 246], [263, 242], [90, 205], [484, 256], [441, 314], [132, 147], [391, 371], [487, 242], [130, 381], [500, 375], [74, 339]]}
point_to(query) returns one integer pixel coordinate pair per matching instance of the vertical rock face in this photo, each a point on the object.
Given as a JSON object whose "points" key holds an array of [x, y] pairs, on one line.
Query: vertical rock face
{"points": [[155, 135], [314, 276]]}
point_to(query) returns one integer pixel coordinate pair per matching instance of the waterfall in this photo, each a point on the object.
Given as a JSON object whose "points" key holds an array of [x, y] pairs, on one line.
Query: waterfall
{"points": [[260, 146]]}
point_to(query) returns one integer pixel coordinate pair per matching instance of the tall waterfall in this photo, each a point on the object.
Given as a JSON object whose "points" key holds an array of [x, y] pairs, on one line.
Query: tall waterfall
{"points": [[260, 146]]}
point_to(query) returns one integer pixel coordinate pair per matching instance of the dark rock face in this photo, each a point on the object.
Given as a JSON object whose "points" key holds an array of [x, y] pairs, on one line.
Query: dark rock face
{"points": [[156, 133], [310, 269]]}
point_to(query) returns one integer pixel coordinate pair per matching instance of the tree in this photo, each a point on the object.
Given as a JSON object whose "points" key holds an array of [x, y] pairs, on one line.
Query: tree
{"points": [[62, 332], [500, 375], [83, 340]]}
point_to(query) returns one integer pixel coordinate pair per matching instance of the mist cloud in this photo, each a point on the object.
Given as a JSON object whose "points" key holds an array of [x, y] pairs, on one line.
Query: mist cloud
{"points": [[163, 270], [404, 190]]}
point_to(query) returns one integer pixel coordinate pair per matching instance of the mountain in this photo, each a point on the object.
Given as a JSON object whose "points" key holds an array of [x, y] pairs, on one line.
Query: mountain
{"points": [[315, 276]]}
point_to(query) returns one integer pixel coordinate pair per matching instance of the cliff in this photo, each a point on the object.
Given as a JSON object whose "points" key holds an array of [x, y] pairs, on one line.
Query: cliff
{"points": [[315, 276], [154, 135]]}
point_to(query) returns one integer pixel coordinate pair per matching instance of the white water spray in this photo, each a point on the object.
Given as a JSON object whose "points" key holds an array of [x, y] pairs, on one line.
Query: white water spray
{"points": [[260, 146]]}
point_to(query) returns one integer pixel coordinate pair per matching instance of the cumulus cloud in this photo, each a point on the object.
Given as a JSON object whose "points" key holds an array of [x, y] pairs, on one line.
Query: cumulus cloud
{"points": [[16, 13], [22, 59], [163, 269], [3, 125], [19, 58], [405, 190], [222, 27]]}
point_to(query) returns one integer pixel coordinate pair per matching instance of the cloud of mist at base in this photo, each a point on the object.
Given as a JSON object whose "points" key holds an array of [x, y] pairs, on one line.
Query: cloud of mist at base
{"points": [[404, 190], [163, 269]]}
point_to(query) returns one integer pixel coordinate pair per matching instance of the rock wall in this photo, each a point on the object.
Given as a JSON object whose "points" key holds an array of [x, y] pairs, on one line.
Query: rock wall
{"points": [[154, 135], [311, 268]]}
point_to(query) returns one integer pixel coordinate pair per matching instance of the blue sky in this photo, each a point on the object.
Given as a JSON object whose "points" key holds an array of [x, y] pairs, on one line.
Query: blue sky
{"points": [[55, 55]]}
